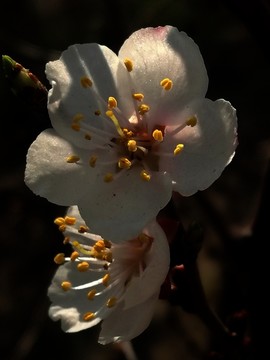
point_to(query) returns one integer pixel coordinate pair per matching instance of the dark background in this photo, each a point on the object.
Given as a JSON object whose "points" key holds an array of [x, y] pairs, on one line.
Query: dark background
{"points": [[233, 37]]}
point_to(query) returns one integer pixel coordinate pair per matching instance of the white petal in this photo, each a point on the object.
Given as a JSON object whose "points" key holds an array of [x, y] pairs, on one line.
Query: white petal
{"points": [[118, 210], [49, 175], [144, 286], [124, 325], [164, 52], [208, 147], [68, 97]]}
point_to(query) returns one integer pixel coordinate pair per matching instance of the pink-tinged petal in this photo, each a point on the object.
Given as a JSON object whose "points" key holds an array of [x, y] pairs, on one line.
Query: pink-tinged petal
{"points": [[49, 175], [146, 284], [208, 146], [118, 210], [164, 52], [82, 80], [126, 324]]}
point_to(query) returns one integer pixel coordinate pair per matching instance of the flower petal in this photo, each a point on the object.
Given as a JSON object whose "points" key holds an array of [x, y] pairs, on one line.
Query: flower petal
{"points": [[48, 173], [208, 146], [118, 210], [164, 52], [146, 284], [126, 324], [82, 80]]}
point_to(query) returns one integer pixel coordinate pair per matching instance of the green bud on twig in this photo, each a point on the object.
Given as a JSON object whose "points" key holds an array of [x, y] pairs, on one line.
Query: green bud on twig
{"points": [[24, 84]]}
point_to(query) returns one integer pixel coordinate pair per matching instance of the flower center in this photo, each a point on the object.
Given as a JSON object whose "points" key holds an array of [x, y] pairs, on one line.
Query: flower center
{"points": [[110, 266], [134, 142]]}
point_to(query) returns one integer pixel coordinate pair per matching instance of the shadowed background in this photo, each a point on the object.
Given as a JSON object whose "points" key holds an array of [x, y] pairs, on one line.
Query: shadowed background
{"points": [[233, 37]]}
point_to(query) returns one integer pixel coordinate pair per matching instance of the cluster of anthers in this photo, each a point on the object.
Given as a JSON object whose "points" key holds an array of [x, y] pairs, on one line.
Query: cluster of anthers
{"points": [[135, 141], [109, 267]]}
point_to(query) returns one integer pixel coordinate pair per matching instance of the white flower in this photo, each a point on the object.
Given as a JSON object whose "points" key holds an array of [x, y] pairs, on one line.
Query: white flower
{"points": [[100, 280], [129, 129]]}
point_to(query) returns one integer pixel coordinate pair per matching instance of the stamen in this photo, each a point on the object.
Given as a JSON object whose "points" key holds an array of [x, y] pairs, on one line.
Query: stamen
{"points": [[83, 266], [70, 220], [91, 294], [178, 149], [138, 96], [66, 285], [86, 82], [157, 135], [72, 159], [124, 163], [192, 121], [143, 108], [88, 316], [132, 145], [129, 64], [105, 279], [59, 221], [75, 126], [111, 115], [77, 117], [108, 177], [145, 175], [87, 137], [166, 83], [82, 229], [112, 102], [99, 245], [74, 255], [92, 161], [59, 259], [111, 302], [62, 227]]}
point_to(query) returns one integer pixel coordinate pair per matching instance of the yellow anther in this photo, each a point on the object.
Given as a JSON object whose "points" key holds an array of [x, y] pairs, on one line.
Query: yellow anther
{"points": [[138, 96], [59, 259], [91, 294], [62, 227], [143, 108], [127, 133], [105, 279], [83, 266], [87, 137], [75, 243], [108, 257], [107, 243], [112, 102], [88, 316], [77, 117], [99, 245], [82, 229], [145, 175], [92, 161], [72, 159], [70, 220], [59, 221], [74, 255], [166, 83], [132, 145], [111, 115], [111, 302], [66, 285], [66, 240], [129, 64], [97, 112], [157, 135], [178, 149], [86, 82], [124, 163], [75, 126], [108, 177], [192, 121]]}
